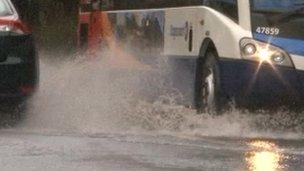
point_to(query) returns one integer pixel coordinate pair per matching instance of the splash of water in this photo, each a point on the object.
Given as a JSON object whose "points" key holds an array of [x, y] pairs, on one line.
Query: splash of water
{"points": [[91, 97]]}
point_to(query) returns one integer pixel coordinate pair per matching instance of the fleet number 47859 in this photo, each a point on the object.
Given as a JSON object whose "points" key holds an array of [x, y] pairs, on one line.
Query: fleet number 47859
{"points": [[268, 30]]}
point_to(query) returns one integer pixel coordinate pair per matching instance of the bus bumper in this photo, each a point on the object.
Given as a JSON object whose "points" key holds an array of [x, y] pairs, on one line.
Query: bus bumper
{"points": [[246, 80]]}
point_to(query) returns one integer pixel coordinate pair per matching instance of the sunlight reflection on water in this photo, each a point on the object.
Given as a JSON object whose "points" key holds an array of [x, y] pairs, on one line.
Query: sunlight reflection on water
{"points": [[265, 156]]}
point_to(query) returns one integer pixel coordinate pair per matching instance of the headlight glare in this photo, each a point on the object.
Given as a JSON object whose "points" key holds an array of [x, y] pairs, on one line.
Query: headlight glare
{"points": [[264, 53]]}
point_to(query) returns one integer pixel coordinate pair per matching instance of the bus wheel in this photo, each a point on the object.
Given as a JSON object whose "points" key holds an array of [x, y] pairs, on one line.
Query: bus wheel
{"points": [[208, 85]]}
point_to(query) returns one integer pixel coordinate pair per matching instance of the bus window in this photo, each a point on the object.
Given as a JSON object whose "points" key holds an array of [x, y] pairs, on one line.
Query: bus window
{"points": [[227, 7]]}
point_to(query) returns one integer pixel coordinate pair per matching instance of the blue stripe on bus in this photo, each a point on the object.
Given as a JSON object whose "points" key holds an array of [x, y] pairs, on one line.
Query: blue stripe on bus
{"points": [[275, 4], [293, 46]]}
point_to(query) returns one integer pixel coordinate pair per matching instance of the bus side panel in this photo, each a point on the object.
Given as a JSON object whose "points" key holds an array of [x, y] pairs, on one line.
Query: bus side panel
{"points": [[182, 44], [186, 29], [181, 32], [139, 33], [224, 33]]}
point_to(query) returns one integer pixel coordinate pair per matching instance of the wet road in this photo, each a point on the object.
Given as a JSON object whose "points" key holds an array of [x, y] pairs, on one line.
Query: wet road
{"points": [[25, 150]]}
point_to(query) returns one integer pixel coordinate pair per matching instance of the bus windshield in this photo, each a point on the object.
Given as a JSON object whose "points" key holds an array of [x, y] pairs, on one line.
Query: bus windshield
{"points": [[281, 18]]}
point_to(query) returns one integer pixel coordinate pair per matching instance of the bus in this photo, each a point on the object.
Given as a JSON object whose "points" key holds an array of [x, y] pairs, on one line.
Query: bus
{"points": [[233, 49]]}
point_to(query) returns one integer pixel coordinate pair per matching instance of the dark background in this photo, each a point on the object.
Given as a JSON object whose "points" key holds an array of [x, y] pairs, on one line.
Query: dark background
{"points": [[54, 23]]}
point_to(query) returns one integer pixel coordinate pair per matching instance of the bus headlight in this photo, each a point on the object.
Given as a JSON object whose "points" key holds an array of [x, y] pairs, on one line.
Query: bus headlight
{"points": [[264, 53], [249, 49], [278, 57]]}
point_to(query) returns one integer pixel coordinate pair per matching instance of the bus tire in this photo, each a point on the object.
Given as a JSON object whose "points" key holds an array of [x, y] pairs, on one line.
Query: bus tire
{"points": [[208, 89]]}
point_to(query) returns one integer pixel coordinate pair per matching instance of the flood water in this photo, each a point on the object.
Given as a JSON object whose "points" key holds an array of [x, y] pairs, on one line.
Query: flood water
{"points": [[87, 115]]}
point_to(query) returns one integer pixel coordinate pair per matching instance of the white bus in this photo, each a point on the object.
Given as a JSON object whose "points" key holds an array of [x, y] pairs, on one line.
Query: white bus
{"points": [[234, 48]]}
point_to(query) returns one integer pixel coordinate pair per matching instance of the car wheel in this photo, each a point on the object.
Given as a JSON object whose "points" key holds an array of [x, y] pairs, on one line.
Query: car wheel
{"points": [[208, 89]]}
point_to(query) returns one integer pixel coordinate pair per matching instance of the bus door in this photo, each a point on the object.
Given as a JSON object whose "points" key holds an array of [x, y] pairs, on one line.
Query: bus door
{"points": [[180, 30]]}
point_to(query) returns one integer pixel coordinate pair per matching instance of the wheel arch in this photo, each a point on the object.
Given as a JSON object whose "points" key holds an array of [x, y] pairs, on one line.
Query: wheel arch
{"points": [[207, 46]]}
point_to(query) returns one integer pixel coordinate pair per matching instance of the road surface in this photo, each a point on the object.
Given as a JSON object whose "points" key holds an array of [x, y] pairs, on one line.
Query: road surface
{"points": [[33, 150]]}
